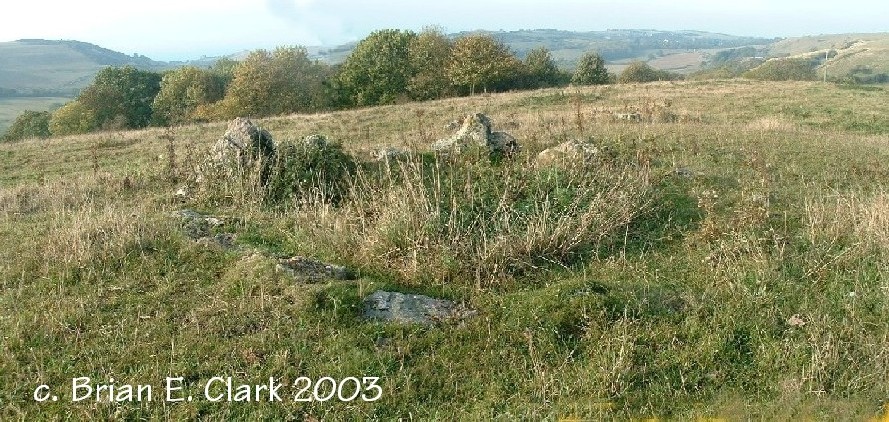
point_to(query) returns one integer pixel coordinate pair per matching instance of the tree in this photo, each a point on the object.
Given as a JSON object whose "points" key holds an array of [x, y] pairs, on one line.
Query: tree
{"points": [[794, 69], [379, 69], [284, 81], [542, 69], [182, 91], [429, 54], [72, 119], [640, 72], [30, 124], [121, 96], [591, 71], [482, 61]]}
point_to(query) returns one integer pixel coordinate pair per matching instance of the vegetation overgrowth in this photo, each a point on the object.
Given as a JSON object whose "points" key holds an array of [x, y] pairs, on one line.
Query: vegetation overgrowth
{"points": [[730, 261]]}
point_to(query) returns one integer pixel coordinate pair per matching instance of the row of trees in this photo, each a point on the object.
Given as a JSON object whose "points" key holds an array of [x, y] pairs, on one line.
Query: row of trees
{"points": [[389, 66]]}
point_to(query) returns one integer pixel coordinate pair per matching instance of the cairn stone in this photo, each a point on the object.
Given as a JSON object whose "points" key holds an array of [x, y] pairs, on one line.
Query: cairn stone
{"points": [[244, 142], [476, 132], [568, 153], [411, 309]]}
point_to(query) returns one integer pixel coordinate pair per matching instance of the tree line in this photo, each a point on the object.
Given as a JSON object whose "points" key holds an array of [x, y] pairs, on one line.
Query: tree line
{"points": [[389, 66]]}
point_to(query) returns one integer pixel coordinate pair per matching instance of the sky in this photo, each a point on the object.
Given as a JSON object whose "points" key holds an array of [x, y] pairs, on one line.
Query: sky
{"points": [[189, 29]]}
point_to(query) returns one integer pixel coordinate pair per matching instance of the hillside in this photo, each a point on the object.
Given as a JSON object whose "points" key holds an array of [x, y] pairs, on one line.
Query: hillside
{"points": [[722, 256], [58, 68]]}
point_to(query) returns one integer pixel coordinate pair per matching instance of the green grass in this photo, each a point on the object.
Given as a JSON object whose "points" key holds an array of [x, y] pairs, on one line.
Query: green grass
{"points": [[754, 290]]}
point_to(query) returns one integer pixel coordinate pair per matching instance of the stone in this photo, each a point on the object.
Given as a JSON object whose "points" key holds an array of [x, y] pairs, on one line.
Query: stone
{"points": [[224, 241], [391, 153], [630, 117], [504, 143], [309, 270], [181, 193], [412, 309], [684, 172], [244, 142], [568, 153], [475, 132], [197, 225], [315, 141]]}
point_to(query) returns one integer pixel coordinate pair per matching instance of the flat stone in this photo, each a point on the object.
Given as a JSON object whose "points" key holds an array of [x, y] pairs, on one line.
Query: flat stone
{"points": [[309, 270], [224, 241], [412, 309]]}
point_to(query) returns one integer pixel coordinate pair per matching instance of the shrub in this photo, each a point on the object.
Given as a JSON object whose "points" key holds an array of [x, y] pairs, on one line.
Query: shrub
{"points": [[309, 171], [797, 69], [641, 72]]}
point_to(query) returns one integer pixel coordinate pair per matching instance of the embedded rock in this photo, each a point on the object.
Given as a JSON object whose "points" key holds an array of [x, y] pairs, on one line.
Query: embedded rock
{"points": [[224, 241], [197, 225], [310, 270], [412, 309], [568, 153], [390, 153]]}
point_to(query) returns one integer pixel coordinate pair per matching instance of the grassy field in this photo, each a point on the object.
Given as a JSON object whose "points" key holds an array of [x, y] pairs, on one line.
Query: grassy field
{"points": [[10, 108], [726, 258]]}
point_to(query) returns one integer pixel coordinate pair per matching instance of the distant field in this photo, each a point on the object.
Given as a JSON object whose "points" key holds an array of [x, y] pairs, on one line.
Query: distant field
{"points": [[10, 108]]}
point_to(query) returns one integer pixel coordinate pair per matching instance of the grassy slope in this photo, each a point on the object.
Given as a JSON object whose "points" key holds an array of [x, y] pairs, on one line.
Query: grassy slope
{"points": [[692, 316], [26, 66], [853, 50]]}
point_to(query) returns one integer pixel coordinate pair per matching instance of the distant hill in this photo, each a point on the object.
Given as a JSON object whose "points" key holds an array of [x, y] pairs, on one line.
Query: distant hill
{"points": [[44, 68], [43, 73]]}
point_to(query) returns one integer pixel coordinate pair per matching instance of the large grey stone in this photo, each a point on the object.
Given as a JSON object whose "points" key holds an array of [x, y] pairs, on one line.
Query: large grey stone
{"points": [[476, 132], [411, 309], [244, 142]]}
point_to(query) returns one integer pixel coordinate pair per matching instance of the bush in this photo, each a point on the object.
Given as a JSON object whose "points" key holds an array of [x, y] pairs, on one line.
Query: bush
{"points": [[784, 70], [30, 124], [641, 72], [591, 71], [309, 171]]}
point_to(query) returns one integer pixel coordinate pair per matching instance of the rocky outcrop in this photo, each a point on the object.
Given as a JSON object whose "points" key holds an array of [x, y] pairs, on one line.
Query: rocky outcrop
{"points": [[200, 228], [412, 309], [308, 270], [567, 154], [476, 132]]}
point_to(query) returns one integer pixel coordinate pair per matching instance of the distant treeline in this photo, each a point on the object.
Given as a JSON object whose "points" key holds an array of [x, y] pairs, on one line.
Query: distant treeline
{"points": [[387, 67], [37, 92]]}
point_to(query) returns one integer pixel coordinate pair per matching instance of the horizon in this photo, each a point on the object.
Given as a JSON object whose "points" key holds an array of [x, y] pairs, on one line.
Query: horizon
{"points": [[204, 28]]}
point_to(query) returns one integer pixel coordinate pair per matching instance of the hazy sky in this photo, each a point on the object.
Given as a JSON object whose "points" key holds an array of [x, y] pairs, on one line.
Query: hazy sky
{"points": [[183, 29]]}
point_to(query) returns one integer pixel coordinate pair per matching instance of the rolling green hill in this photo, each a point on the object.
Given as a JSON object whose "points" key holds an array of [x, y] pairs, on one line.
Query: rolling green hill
{"points": [[58, 68]]}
